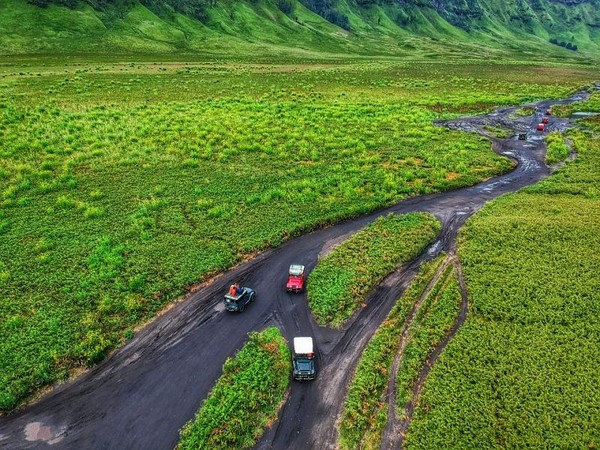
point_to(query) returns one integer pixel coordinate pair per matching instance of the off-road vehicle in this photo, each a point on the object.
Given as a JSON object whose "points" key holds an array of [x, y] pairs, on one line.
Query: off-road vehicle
{"points": [[238, 302], [303, 359]]}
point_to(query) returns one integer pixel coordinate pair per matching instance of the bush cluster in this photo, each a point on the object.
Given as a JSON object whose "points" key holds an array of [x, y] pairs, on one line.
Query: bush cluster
{"points": [[341, 282], [246, 398]]}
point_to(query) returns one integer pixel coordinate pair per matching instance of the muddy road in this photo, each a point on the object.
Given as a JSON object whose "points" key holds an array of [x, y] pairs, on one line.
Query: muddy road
{"points": [[145, 392]]}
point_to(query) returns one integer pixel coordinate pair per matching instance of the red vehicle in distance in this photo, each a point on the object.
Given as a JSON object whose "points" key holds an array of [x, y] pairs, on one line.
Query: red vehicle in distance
{"points": [[295, 282], [541, 127], [548, 112], [545, 120]]}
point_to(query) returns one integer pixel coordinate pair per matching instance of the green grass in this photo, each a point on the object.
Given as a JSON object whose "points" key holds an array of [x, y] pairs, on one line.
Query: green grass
{"points": [[503, 29], [246, 398], [498, 132], [558, 150], [526, 111], [365, 412], [590, 105], [123, 181], [342, 280], [523, 371]]}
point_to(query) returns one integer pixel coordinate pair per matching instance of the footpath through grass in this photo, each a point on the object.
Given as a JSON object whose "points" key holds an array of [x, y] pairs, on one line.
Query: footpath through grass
{"points": [[524, 370], [245, 399], [433, 322], [124, 183], [340, 283], [365, 410]]}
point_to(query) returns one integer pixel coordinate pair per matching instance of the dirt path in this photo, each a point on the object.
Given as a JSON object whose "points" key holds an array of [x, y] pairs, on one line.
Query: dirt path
{"points": [[142, 395], [393, 429], [396, 440]]}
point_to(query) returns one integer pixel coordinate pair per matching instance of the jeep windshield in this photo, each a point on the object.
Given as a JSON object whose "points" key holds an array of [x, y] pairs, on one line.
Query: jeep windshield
{"points": [[304, 364]]}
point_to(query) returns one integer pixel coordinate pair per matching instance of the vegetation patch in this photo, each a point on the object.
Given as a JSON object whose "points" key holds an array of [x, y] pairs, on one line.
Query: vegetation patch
{"points": [[124, 181], [590, 105], [246, 398], [498, 132], [432, 323], [567, 45], [525, 111], [558, 150], [365, 410], [523, 370], [340, 283]]}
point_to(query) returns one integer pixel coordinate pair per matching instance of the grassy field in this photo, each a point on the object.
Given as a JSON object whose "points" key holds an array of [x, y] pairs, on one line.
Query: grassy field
{"points": [[246, 397], [340, 283], [524, 370], [124, 182]]}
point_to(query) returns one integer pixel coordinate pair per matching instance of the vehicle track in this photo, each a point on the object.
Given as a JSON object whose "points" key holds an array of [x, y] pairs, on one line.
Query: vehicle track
{"points": [[141, 396], [395, 432], [394, 428]]}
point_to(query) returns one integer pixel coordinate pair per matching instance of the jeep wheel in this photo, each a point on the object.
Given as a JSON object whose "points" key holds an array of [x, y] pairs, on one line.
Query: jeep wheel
{"points": [[252, 297], [241, 308]]}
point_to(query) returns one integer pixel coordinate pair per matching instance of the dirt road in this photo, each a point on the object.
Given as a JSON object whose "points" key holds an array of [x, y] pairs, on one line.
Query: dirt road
{"points": [[142, 395]]}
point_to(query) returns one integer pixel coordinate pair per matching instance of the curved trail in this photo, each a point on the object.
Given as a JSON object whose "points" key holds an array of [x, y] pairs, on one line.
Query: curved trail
{"points": [[143, 394], [395, 429]]}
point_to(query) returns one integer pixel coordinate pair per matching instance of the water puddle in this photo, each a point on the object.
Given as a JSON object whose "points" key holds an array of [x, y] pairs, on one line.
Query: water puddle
{"points": [[581, 114], [37, 431]]}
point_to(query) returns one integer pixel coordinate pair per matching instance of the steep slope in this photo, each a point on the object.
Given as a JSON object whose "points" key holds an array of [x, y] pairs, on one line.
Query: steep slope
{"points": [[423, 27]]}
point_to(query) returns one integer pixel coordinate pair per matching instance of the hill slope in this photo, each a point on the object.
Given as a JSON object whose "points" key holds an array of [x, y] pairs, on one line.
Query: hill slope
{"points": [[566, 28]]}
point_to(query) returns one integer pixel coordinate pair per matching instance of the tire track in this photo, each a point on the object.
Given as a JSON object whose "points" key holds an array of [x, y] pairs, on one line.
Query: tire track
{"points": [[401, 427], [394, 425]]}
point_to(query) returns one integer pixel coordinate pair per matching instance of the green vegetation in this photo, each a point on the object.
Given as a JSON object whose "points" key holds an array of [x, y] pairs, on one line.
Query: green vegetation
{"points": [[523, 371], [245, 399], [122, 182], [497, 131], [567, 45], [342, 280], [530, 28], [432, 323], [526, 111], [590, 105], [558, 150], [365, 411]]}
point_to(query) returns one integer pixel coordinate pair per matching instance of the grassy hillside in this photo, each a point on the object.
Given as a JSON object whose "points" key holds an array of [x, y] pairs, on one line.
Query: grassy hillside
{"points": [[297, 27]]}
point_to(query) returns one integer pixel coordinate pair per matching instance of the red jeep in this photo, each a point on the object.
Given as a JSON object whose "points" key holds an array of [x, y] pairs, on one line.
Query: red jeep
{"points": [[295, 281], [541, 127], [545, 120]]}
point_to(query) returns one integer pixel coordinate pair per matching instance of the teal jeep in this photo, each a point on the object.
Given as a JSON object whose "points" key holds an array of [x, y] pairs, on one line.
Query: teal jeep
{"points": [[238, 302]]}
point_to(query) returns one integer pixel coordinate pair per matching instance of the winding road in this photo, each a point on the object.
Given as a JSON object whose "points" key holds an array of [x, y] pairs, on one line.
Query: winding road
{"points": [[145, 392]]}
